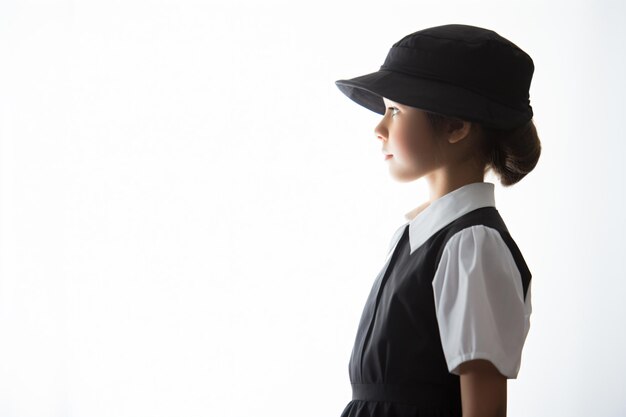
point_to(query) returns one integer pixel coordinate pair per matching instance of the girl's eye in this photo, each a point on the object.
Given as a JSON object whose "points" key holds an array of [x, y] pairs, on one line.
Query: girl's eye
{"points": [[394, 111]]}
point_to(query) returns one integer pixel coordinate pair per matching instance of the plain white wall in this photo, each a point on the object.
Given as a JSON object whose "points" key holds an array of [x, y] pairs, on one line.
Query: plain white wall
{"points": [[192, 214]]}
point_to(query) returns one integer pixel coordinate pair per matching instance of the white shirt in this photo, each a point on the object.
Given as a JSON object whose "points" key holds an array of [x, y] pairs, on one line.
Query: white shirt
{"points": [[479, 301]]}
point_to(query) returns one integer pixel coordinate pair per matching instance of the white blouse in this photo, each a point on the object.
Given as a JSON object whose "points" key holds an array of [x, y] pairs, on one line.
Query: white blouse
{"points": [[477, 287]]}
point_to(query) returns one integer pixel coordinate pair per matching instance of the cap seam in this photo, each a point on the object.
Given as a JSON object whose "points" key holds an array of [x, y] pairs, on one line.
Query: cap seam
{"points": [[456, 85], [502, 42], [459, 40]]}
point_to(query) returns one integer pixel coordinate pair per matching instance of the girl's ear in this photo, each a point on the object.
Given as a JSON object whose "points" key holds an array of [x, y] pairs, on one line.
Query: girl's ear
{"points": [[458, 129]]}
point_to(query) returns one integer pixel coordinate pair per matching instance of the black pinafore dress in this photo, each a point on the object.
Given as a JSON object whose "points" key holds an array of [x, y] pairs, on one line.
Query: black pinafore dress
{"points": [[397, 366]]}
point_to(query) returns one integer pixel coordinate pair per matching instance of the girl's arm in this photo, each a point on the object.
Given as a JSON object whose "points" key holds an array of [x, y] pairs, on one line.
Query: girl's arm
{"points": [[483, 389]]}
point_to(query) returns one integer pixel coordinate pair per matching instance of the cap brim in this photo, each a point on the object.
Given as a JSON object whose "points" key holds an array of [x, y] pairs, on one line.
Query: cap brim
{"points": [[368, 90]]}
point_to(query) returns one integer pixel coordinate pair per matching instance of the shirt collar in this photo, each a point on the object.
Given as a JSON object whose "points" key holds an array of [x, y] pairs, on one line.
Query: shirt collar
{"points": [[446, 209]]}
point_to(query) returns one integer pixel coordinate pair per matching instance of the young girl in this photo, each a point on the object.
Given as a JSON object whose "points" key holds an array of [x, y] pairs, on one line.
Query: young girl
{"points": [[445, 322]]}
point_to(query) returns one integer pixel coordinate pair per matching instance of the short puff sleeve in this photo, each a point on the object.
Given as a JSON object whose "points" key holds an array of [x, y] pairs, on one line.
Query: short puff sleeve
{"points": [[479, 301]]}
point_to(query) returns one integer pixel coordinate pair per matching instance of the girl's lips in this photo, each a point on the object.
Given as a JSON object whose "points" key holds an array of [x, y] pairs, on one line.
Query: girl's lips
{"points": [[388, 156]]}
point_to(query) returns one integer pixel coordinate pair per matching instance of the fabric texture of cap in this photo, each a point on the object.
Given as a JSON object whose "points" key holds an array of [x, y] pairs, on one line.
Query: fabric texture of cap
{"points": [[457, 70]]}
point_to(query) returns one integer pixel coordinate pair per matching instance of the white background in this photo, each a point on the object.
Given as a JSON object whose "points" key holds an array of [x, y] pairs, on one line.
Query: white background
{"points": [[192, 214]]}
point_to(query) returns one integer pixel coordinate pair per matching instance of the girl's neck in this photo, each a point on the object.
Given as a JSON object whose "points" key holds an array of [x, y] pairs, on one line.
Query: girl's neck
{"points": [[445, 180]]}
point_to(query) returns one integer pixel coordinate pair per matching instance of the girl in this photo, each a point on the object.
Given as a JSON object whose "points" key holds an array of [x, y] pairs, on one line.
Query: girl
{"points": [[445, 322]]}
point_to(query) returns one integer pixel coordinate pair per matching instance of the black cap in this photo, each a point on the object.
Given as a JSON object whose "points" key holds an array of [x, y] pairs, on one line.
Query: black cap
{"points": [[457, 70]]}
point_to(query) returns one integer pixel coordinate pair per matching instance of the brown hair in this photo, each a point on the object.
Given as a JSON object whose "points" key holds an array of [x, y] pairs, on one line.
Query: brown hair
{"points": [[511, 153]]}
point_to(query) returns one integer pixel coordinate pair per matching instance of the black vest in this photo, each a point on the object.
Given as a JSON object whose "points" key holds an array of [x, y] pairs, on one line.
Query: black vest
{"points": [[397, 366]]}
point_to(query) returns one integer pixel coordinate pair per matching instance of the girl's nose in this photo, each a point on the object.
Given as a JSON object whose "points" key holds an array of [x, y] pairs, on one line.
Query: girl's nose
{"points": [[380, 131]]}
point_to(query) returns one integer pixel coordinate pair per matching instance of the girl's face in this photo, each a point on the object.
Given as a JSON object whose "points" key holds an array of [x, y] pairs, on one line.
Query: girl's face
{"points": [[407, 136]]}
